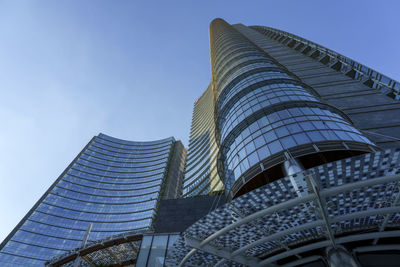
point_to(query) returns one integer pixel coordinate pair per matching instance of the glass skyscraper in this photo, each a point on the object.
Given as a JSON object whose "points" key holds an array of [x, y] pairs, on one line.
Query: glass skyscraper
{"points": [[302, 143], [201, 174], [113, 184], [299, 133], [266, 114]]}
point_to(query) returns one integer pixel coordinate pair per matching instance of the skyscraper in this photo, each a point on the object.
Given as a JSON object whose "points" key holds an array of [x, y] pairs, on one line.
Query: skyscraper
{"points": [[299, 131], [113, 186], [289, 133], [201, 174]]}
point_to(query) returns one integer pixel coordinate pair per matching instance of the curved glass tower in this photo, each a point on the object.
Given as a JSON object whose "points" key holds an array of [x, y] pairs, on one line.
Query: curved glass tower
{"points": [[267, 117], [113, 184], [301, 132], [201, 175]]}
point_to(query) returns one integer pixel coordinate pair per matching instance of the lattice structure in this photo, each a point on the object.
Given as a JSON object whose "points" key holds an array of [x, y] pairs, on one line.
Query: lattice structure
{"points": [[348, 200], [119, 250]]}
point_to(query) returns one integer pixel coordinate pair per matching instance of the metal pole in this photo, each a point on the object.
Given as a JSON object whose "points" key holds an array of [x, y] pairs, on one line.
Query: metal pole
{"points": [[84, 241]]}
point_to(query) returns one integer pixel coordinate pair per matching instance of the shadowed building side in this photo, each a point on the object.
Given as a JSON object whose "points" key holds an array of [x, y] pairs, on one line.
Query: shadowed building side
{"points": [[113, 185]]}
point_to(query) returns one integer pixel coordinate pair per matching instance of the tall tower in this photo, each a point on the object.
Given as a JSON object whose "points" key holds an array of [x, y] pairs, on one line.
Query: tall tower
{"points": [[112, 187], [300, 131], [201, 173], [268, 119]]}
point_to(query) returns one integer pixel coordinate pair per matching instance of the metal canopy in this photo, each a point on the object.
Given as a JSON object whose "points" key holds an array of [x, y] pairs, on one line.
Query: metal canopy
{"points": [[118, 250], [349, 200]]}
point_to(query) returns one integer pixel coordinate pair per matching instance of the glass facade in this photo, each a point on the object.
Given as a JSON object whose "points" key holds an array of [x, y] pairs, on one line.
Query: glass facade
{"points": [[154, 249], [201, 175], [263, 110], [386, 85], [113, 184], [306, 184]]}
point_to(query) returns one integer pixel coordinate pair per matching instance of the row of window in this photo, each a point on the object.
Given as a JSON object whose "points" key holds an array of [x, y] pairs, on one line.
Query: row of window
{"points": [[204, 136], [302, 115], [197, 152], [258, 100], [102, 199], [95, 157], [108, 173], [115, 178], [232, 89], [135, 153], [251, 66], [83, 223], [225, 45], [111, 168], [261, 93], [51, 230], [201, 173], [132, 158], [98, 207], [202, 124], [140, 145], [109, 186], [243, 58], [262, 139], [45, 240], [222, 58], [102, 192], [203, 150], [206, 158], [93, 217], [38, 255]]}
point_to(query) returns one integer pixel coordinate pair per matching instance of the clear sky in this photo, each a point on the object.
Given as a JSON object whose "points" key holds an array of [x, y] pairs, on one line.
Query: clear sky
{"points": [[133, 69]]}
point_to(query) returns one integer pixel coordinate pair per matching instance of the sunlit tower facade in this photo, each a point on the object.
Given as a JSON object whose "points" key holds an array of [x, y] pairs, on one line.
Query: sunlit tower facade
{"points": [[201, 172], [300, 132], [267, 118]]}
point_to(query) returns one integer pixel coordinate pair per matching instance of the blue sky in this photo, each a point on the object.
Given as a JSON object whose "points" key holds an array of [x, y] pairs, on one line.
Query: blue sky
{"points": [[133, 69]]}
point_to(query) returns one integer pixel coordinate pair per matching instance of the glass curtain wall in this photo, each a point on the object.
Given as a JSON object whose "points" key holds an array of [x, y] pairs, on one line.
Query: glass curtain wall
{"points": [[154, 249], [265, 113], [113, 184]]}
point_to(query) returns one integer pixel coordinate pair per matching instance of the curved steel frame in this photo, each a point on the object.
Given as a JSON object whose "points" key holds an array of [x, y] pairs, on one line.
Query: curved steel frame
{"points": [[315, 195], [104, 244], [337, 61]]}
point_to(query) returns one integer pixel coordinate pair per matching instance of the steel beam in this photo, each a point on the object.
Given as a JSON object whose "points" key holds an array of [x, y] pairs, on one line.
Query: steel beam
{"points": [[377, 248], [387, 217], [322, 207], [187, 257], [322, 244], [277, 236], [296, 201], [270, 210], [293, 202], [315, 224]]}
